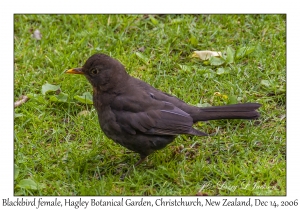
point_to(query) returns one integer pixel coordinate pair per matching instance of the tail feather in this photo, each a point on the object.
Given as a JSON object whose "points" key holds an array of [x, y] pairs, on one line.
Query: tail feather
{"points": [[234, 111]]}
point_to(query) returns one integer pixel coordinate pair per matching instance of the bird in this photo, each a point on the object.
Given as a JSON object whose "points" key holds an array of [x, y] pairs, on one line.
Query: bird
{"points": [[142, 118]]}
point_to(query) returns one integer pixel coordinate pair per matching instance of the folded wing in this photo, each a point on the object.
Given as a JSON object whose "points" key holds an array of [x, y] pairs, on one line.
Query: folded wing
{"points": [[163, 119]]}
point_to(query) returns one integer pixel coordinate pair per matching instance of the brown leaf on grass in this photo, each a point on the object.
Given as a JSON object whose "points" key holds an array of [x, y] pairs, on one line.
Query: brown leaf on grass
{"points": [[22, 100], [201, 194]]}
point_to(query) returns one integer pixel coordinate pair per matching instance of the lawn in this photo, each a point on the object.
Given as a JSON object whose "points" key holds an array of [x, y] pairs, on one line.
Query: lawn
{"points": [[59, 148]]}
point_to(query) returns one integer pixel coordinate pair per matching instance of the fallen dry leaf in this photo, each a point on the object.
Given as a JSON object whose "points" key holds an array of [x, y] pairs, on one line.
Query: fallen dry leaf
{"points": [[201, 194], [206, 54]]}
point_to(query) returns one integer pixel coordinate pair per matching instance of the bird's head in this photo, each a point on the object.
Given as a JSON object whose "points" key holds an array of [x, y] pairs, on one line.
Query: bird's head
{"points": [[102, 71]]}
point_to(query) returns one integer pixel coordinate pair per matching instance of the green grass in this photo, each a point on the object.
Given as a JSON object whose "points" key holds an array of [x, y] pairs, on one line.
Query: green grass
{"points": [[57, 151]]}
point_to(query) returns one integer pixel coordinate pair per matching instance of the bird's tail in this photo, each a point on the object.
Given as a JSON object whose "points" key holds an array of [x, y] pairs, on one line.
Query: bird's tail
{"points": [[234, 111]]}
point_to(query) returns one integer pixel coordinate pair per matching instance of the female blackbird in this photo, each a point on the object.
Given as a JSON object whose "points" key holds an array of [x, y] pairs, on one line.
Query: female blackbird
{"points": [[141, 118]]}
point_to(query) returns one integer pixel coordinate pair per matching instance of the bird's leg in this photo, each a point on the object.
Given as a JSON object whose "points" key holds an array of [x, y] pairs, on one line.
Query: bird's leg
{"points": [[142, 159]]}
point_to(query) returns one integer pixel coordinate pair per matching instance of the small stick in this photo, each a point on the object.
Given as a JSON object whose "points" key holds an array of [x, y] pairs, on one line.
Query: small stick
{"points": [[21, 101]]}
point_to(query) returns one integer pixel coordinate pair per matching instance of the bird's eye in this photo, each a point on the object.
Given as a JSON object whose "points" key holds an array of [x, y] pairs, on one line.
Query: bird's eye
{"points": [[94, 71]]}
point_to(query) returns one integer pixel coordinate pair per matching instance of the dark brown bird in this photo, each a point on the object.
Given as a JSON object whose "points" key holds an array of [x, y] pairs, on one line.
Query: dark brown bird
{"points": [[141, 118]]}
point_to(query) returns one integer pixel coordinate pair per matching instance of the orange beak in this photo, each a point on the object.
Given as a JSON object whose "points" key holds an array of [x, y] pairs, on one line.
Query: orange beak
{"points": [[74, 71]]}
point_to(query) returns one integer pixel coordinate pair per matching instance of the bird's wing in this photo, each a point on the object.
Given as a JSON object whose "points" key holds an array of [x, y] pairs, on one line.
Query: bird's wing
{"points": [[160, 118]]}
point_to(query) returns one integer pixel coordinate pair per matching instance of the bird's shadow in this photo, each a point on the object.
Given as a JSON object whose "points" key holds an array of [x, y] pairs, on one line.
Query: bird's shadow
{"points": [[99, 167]]}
